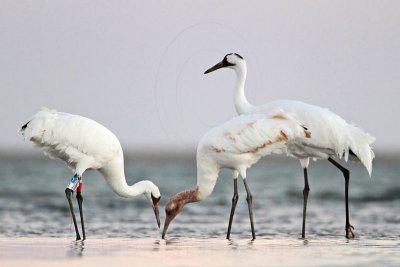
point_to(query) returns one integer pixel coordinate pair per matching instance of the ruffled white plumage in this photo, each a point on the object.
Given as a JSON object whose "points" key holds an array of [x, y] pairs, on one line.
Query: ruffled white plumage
{"points": [[81, 142], [241, 142], [247, 133], [331, 135]]}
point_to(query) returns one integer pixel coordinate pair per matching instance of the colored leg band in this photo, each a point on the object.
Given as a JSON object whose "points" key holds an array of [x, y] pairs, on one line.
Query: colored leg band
{"points": [[79, 189], [73, 183]]}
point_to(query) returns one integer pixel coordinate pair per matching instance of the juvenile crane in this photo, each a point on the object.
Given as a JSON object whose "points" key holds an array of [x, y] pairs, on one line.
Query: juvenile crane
{"points": [[236, 144], [332, 135], [85, 144]]}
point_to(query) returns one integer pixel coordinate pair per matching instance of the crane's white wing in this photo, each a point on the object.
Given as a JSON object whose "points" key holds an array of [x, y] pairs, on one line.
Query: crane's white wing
{"points": [[254, 134], [72, 138], [332, 135]]}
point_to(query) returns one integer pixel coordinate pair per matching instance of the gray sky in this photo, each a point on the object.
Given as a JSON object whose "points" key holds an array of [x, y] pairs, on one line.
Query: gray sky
{"points": [[137, 66]]}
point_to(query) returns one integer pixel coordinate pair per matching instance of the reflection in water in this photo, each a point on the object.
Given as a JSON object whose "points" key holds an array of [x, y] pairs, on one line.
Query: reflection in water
{"points": [[207, 252], [232, 244], [173, 241], [156, 245], [76, 249]]}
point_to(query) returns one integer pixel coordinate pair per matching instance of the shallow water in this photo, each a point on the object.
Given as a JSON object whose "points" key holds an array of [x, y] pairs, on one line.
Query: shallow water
{"points": [[198, 252], [33, 204]]}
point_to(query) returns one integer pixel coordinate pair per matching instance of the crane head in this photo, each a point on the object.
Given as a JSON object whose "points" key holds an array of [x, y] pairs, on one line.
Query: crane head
{"points": [[175, 206], [230, 61], [172, 209]]}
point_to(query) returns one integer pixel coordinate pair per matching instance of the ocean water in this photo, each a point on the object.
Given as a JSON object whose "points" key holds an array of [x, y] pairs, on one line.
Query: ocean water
{"points": [[33, 205]]}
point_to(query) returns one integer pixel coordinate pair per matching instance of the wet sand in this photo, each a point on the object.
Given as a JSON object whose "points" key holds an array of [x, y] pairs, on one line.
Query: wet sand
{"points": [[197, 252]]}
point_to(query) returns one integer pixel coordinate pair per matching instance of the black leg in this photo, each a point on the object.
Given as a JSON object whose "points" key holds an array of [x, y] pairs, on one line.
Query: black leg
{"points": [[249, 199], [234, 202], [68, 194], [306, 190], [346, 173], [80, 199]]}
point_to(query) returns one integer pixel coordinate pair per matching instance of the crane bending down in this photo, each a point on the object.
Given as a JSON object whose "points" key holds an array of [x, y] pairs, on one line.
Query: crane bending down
{"points": [[236, 144], [85, 144], [332, 135]]}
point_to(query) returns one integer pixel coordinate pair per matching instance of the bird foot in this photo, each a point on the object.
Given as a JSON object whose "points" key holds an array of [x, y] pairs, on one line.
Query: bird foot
{"points": [[349, 231]]}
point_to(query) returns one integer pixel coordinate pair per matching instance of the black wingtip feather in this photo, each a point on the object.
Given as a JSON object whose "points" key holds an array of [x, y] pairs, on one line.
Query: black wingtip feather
{"points": [[24, 126]]}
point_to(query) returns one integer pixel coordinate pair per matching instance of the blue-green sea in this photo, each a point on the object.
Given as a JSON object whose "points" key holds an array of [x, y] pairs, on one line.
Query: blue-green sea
{"points": [[33, 203]]}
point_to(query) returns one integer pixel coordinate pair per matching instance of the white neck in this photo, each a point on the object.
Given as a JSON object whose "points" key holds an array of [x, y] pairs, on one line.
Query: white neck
{"points": [[115, 178], [242, 106], [207, 174], [122, 189]]}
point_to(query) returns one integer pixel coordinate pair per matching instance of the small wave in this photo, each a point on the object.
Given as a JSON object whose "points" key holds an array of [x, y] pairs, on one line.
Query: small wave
{"points": [[392, 194]]}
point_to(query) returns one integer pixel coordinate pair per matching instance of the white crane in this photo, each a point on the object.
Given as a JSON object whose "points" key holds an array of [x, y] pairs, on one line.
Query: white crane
{"points": [[85, 144], [236, 144], [332, 135]]}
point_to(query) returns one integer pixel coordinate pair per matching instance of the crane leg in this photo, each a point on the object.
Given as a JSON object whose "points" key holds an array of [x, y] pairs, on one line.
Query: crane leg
{"points": [[234, 202], [79, 198], [68, 194], [249, 199], [346, 173], [306, 190]]}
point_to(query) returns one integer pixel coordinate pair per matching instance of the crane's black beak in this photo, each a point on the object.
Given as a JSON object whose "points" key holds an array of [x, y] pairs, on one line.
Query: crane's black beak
{"points": [[157, 213], [215, 67], [166, 224], [155, 201]]}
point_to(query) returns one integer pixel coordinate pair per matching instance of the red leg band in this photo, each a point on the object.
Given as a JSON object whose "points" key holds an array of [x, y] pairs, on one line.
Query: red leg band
{"points": [[79, 189]]}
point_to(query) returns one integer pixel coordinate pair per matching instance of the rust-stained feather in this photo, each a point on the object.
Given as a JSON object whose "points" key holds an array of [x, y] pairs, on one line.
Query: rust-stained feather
{"points": [[230, 136], [250, 124], [254, 150], [282, 137], [218, 150], [278, 117]]}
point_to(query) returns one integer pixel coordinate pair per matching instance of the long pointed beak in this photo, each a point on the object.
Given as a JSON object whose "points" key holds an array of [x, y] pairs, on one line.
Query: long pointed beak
{"points": [[157, 213], [166, 224], [215, 67]]}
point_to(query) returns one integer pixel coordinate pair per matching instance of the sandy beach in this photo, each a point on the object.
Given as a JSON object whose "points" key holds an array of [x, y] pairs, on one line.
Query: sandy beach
{"points": [[196, 252]]}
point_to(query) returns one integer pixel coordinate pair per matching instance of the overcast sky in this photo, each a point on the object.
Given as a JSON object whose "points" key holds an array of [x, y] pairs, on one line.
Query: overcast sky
{"points": [[137, 66]]}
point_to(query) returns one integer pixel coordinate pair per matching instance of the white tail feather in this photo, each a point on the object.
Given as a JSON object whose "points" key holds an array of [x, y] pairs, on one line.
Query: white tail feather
{"points": [[360, 144]]}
